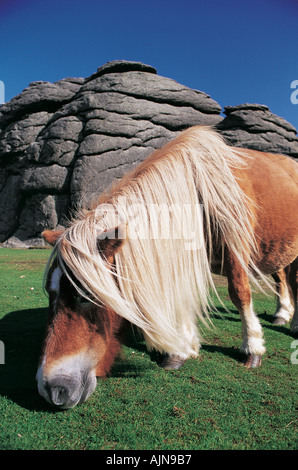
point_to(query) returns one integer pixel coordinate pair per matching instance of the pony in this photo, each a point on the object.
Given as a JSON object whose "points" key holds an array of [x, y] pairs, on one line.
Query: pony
{"points": [[144, 251]]}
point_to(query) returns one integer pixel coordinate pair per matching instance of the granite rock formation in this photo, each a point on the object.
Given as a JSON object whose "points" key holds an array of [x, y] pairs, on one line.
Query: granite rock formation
{"points": [[254, 126], [63, 142]]}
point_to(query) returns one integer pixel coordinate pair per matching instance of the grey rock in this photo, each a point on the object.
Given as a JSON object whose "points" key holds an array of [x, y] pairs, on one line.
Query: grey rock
{"points": [[154, 88], [62, 143], [14, 242], [49, 179], [38, 215], [10, 206], [101, 171], [254, 126], [59, 141], [39, 96], [18, 135], [120, 66]]}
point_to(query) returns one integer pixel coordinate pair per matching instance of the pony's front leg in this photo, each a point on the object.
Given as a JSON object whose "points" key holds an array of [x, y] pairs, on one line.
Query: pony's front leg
{"points": [[172, 362], [240, 293], [189, 345]]}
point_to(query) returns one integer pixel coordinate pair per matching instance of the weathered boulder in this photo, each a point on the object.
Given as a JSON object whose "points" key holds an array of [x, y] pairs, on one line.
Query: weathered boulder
{"points": [[254, 126], [63, 142], [39, 96]]}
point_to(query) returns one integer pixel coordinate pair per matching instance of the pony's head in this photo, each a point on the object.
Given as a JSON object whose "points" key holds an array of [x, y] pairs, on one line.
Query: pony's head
{"points": [[82, 338]]}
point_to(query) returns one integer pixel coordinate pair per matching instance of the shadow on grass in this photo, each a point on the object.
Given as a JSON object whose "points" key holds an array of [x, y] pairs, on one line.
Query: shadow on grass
{"points": [[126, 367], [265, 317], [232, 353], [284, 329], [22, 333]]}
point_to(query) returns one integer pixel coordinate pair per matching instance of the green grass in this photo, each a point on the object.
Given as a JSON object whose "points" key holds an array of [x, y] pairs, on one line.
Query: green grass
{"points": [[212, 403]]}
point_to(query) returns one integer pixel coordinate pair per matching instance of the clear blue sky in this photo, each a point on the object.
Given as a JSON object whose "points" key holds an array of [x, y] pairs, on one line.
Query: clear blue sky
{"points": [[236, 51]]}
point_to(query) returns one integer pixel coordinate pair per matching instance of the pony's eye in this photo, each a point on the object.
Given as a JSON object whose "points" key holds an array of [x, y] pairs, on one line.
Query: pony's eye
{"points": [[80, 299]]}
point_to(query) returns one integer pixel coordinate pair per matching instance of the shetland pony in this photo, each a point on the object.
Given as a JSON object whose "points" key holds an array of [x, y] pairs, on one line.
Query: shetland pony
{"points": [[143, 255]]}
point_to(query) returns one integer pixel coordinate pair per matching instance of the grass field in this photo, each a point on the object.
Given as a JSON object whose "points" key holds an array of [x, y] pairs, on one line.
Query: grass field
{"points": [[213, 402]]}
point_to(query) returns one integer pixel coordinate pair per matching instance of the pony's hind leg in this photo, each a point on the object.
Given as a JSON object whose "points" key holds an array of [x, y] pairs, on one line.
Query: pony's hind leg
{"points": [[285, 305], [293, 279], [240, 293]]}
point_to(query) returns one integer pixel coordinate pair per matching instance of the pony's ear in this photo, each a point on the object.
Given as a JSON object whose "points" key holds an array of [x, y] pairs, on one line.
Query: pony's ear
{"points": [[109, 241], [52, 236]]}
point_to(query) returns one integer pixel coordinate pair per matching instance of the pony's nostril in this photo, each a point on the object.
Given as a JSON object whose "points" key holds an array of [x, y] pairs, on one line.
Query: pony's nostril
{"points": [[59, 395], [60, 390]]}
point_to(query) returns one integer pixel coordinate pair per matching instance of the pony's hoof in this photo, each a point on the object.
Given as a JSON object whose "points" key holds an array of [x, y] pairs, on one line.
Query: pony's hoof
{"points": [[279, 321], [172, 362], [253, 361]]}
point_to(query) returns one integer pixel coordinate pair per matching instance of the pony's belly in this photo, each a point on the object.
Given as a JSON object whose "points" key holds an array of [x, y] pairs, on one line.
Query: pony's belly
{"points": [[276, 254], [270, 260], [272, 264]]}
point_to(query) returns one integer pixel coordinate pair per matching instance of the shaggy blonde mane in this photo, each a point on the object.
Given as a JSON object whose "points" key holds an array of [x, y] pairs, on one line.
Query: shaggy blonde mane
{"points": [[176, 206]]}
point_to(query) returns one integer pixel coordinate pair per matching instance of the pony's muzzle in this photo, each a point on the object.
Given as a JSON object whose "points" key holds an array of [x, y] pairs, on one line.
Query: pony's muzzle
{"points": [[65, 391], [62, 392]]}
